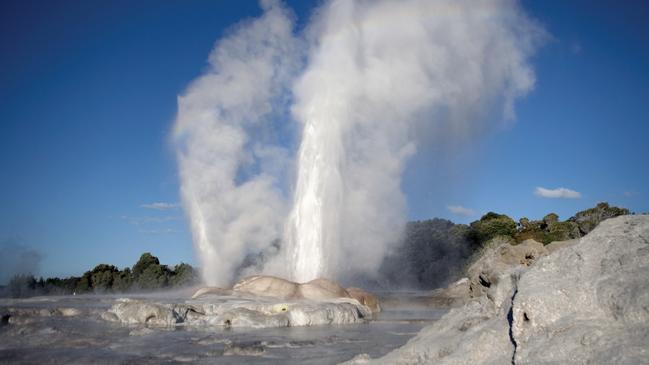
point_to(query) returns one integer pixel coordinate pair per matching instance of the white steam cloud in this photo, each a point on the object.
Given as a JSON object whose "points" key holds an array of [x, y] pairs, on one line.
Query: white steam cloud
{"points": [[376, 73], [226, 164], [558, 193]]}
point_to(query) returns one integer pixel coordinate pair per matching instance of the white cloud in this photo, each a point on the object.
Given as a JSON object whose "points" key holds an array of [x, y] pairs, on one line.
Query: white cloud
{"points": [[137, 221], [160, 231], [160, 206], [562, 193], [630, 194], [460, 210]]}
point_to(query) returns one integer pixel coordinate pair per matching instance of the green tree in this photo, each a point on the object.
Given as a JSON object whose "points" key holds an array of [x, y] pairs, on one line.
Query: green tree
{"points": [[153, 277], [84, 284], [588, 219], [122, 280], [492, 225], [550, 218], [183, 275], [143, 263], [101, 277]]}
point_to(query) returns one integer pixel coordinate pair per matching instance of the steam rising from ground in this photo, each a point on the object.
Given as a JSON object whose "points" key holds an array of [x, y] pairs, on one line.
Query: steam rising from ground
{"points": [[17, 259], [376, 74]]}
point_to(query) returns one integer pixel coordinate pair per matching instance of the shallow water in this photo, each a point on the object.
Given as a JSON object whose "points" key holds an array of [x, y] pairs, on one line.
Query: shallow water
{"points": [[38, 336]]}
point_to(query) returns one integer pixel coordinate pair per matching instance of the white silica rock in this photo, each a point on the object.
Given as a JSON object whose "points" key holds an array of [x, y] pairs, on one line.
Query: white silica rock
{"points": [[590, 302], [584, 303], [240, 311]]}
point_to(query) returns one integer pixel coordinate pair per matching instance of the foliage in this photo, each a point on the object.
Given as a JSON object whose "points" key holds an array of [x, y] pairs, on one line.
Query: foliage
{"points": [[101, 277], [551, 229], [84, 284], [122, 280], [492, 225], [184, 275], [143, 263], [551, 218], [153, 277], [588, 219], [105, 278]]}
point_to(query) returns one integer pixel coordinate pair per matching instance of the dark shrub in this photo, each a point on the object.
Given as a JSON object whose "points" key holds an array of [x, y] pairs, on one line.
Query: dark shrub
{"points": [[143, 263], [588, 219], [492, 225]]}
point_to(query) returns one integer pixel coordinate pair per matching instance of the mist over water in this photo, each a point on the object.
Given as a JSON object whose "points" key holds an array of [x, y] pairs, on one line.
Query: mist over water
{"points": [[362, 80]]}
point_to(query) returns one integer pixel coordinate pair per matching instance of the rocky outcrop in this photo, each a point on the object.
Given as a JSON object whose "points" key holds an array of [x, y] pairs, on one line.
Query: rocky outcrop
{"points": [[234, 311], [130, 311], [365, 298], [588, 219], [497, 259], [268, 286], [255, 302], [454, 295], [274, 287], [585, 303], [590, 302], [557, 245]]}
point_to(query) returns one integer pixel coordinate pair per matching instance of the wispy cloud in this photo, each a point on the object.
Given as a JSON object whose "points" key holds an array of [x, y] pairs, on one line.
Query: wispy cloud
{"points": [[630, 194], [143, 220], [575, 48], [460, 210], [558, 193], [160, 231], [160, 206]]}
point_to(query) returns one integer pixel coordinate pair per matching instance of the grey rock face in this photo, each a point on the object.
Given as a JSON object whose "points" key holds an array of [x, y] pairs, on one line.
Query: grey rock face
{"points": [[139, 312], [498, 260], [455, 295], [477, 333], [590, 302], [586, 303], [557, 245]]}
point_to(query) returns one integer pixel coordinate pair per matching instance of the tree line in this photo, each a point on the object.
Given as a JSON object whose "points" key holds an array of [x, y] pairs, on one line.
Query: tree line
{"points": [[146, 275], [435, 252]]}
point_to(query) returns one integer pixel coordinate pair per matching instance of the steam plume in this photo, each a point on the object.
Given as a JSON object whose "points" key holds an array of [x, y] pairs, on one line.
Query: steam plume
{"points": [[228, 180], [377, 73], [17, 259]]}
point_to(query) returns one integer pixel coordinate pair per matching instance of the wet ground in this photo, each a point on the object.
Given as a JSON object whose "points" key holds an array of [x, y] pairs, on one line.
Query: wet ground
{"points": [[69, 330]]}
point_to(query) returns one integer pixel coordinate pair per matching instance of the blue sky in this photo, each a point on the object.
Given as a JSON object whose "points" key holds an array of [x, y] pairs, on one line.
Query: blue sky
{"points": [[88, 96]]}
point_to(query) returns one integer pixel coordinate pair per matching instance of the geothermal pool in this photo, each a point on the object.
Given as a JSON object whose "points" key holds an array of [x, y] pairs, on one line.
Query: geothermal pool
{"points": [[78, 335]]}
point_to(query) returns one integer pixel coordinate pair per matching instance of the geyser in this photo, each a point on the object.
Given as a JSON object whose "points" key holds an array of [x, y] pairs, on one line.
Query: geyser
{"points": [[375, 74]]}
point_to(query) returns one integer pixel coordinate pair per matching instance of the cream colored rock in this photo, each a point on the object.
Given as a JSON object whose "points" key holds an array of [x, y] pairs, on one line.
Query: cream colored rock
{"points": [[273, 287], [367, 299], [268, 286], [319, 289], [211, 290]]}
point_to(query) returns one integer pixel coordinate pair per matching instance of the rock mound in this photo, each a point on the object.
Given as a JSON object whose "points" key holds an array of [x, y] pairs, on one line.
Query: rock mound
{"points": [[586, 303], [257, 302]]}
